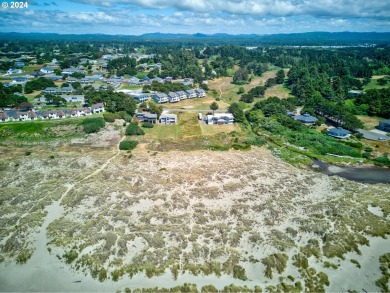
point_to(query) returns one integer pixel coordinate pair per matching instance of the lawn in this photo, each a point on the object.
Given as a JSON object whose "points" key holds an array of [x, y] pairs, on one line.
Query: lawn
{"points": [[188, 124], [215, 129], [130, 87], [228, 91], [159, 132], [197, 104], [374, 85], [369, 122]]}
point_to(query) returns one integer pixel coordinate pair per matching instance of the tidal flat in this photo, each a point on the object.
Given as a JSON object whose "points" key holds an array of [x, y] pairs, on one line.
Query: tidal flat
{"points": [[93, 219]]}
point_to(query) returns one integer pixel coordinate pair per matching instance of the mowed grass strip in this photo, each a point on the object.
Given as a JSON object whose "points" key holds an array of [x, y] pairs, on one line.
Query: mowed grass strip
{"points": [[159, 132], [188, 124]]}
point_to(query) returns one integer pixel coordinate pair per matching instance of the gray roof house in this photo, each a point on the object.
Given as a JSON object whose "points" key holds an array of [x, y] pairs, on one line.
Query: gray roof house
{"points": [[141, 98], [146, 117], [220, 118], [200, 93], [306, 119], [173, 97], [168, 119], [191, 94], [384, 125], [338, 132], [53, 114], [182, 95], [160, 98], [74, 98], [25, 116]]}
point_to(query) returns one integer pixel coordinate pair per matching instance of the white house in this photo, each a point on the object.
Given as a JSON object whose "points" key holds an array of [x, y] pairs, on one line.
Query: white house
{"points": [[97, 108], [182, 95], [80, 112], [53, 114], [220, 118], [14, 71], [200, 93], [46, 70], [160, 98], [168, 119], [173, 97], [74, 98], [191, 94], [25, 116]]}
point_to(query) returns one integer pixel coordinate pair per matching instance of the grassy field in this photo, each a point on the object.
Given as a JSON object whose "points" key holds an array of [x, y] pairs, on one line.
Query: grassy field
{"points": [[369, 122], [374, 84], [197, 104], [215, 129], [130, 87], [228, 91], [159, 132], [188, 124]]}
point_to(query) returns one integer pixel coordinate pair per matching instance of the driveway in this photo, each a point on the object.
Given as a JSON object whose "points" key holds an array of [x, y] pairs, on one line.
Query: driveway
{"points": [[372, 135]]}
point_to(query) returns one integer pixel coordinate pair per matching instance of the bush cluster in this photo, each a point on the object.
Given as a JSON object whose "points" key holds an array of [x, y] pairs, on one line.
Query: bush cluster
{"points": [[93, 125], [134, 129], [147, 125], [127, 145]]}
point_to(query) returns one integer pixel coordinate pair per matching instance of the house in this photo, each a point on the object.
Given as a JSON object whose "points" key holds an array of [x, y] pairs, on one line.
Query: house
{"points": [[141, 98], [19, 64], [146, 117], [53, 77], [46, 70], [97, 108], [158, 79], [306, 119], [14, 71], [188, 82], [191, 94], [160, 98], [338, 132], [53, 114], [70, 71], [168, 79], [384, 125], [182, 95], [19, 79], [74, 98], [50, 90], [168, 119], [78, 112], [146, 80], [66, 90], [53, 63], [4, 117], [134, 80], [200, 93], [173, 97], [220, 118], [25, 116]]}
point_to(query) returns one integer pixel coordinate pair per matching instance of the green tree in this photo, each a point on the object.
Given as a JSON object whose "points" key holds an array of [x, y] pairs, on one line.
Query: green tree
{"points": [[214, 106], [280, 75], [237, 112]]}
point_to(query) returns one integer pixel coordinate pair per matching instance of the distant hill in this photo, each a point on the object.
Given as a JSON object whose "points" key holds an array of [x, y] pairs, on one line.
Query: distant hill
{"points": [[297, 39]]}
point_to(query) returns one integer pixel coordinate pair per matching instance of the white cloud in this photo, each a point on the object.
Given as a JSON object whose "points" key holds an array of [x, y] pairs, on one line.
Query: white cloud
{"points": [[351, 8]]}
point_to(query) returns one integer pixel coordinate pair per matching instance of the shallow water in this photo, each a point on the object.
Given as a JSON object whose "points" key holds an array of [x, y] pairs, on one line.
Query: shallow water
{"points": [[359, 174]]}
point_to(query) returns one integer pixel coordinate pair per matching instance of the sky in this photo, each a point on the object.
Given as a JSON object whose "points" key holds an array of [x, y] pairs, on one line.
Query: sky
{"points": [[136, 17]]}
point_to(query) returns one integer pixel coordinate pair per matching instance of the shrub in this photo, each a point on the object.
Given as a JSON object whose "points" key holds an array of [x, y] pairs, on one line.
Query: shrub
{"points": [[382, 161], [110, 117], [134, 129], [92, 125], [127, 145], [147, 125]]}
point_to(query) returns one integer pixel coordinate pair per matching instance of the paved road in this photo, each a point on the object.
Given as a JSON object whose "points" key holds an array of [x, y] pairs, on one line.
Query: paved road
{"points": [[372, 135]]}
